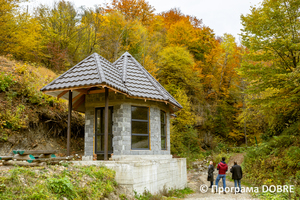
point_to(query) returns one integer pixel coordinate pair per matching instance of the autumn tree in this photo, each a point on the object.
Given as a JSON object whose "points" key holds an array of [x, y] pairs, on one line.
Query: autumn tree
{"points": [[221, 88], [176, 70], [139, 10], [173, 16], [20, 33], [188, 31], [28, 38], [176, 74], [197, 68], [118, 35], [8, 24]]}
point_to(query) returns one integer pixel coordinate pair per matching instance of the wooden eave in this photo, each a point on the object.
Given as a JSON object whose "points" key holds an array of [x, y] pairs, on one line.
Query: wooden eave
{"points": [[83, 90]]}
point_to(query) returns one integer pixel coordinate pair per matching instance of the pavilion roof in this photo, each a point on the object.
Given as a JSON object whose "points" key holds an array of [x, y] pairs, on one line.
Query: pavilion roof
{"points": [[126, 75]]}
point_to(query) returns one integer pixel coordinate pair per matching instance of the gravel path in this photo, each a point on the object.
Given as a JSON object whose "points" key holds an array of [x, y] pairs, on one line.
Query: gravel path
{"points": [[196, 179]]}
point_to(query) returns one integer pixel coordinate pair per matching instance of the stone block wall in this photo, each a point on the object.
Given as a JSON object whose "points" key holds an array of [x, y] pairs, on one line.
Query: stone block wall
{"points": [[122, 129], [122, 124], [89, 134]]}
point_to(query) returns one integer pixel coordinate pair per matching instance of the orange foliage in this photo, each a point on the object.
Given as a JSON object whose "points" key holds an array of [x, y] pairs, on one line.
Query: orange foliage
{"points": [[133, 9], [175, 15], [172, 16]]}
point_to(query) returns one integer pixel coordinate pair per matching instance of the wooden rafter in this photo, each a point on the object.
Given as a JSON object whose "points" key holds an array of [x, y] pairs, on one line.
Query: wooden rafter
{"points": [[82, 91], [113, 89], [78, 96], [96, 91], [62, 94], [79, 102], [86, 90], [166, 102]]}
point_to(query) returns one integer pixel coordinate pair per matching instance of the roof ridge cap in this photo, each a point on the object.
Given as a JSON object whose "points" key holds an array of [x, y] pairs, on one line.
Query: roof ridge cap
{"points": [[99, 68], [115, 63], [119, 58], [124, 71], [148, 75]]}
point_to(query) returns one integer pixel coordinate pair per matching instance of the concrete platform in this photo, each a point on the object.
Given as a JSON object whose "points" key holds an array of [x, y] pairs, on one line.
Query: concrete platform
{"points": [[151, 172]]}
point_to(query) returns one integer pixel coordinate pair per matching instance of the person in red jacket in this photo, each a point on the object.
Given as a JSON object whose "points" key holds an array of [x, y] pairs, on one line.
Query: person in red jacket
{"points": [[222, 167]]}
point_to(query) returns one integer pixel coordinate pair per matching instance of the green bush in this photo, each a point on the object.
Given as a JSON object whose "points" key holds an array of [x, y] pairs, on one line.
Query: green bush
{"points": [[273, 162], [13, 119], [218, 157], [6, 80], [2, 188], [62, 187]]}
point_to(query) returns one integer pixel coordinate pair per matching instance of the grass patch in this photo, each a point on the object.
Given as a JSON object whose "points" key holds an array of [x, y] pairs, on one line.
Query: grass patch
{"points": [[56, 182], [164, 194]]}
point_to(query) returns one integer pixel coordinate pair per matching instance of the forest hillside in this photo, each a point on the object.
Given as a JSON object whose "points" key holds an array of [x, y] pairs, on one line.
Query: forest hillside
{"points": [[233, 95]]}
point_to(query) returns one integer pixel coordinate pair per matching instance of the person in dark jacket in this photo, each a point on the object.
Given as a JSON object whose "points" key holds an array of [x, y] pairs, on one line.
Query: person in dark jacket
{"points": [[237, 175], [210, 176], [222, 167]]}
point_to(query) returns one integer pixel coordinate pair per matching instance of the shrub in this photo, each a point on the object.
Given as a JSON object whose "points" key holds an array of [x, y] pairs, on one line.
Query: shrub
{"points": [[2, 188], [6, 80], [13, 120], [62, 187]]}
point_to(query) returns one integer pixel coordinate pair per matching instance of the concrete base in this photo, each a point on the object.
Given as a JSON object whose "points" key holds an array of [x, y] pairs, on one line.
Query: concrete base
{"points": [[146, 174], [87, 158], [140, 157]]}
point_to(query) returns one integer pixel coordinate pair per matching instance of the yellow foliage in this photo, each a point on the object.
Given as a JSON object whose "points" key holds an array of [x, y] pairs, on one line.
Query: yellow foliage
{"points": [[185, 117], [182, 33], [28, 38], [150, 66]]}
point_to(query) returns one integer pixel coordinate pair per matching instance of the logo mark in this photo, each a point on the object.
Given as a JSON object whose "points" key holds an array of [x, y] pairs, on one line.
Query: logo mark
{"points": [[203, 188]]}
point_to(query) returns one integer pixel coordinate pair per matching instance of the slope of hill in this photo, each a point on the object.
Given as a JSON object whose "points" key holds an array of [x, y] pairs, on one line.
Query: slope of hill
{"points": [[275, 162], [30, 119]]}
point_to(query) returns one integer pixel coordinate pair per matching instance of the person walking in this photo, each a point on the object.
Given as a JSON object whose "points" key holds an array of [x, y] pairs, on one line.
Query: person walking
{"points": [[210, 176], [237, 175], [222, 167]]}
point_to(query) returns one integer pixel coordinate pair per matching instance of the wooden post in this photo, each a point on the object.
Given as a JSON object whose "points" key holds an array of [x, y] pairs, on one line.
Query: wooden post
{"points": [[69, 123], [106, 126]]}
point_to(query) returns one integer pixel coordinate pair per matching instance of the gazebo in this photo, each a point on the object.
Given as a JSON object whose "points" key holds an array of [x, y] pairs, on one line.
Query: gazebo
{"points": [[127, 115]]}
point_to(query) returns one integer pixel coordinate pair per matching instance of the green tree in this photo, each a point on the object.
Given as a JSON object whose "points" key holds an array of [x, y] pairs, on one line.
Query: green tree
{"points": [[61, 34], [271, 34], [90, 26]]}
